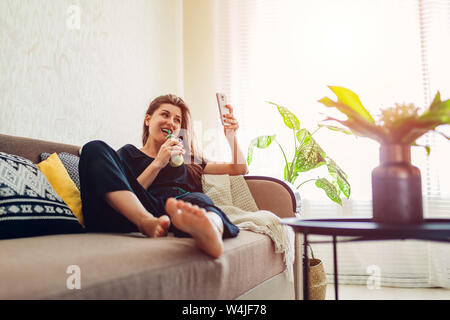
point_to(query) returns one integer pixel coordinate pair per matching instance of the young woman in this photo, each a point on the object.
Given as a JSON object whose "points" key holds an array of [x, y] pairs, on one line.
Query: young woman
{"points": [[139, 190]]}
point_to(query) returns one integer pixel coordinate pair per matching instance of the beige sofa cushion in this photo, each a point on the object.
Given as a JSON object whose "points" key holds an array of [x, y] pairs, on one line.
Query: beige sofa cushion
{"points": [[131, 266]]}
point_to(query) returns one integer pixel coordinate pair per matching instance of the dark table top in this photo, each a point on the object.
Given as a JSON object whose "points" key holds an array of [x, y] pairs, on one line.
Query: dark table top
{"points": [[429, 229]]}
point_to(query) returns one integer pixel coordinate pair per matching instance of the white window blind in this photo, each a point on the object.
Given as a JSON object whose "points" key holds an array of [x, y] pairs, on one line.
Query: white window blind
{"points": [[386, 51], [434, 22]]}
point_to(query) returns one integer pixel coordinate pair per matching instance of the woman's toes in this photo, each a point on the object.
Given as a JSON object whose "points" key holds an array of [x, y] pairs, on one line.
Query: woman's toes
{"points": [[184, 205], [199, 211], [164, 222], [172, 205]]}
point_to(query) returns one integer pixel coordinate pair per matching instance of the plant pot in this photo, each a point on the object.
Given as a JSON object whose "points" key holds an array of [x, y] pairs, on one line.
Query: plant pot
{"points": [[317, 278], [298, 200], [396, 187]]}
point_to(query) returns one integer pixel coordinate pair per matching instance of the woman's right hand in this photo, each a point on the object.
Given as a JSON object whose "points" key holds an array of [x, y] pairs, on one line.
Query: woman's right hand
{"points": [[171, 147]]}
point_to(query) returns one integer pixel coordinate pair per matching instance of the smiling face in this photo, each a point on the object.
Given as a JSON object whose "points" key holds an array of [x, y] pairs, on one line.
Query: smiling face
{"points": [[165, 117]]}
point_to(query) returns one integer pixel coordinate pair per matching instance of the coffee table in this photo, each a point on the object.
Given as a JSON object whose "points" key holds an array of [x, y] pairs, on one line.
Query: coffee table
{"points": [[361, 229]]}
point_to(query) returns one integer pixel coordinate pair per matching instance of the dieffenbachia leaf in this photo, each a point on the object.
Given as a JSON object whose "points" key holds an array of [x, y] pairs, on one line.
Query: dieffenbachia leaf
{"points": [[260, 142], [330, 190], [309, 156], [340, 176], [334, 169], [290, 120], [337, 188], [303, 136]]}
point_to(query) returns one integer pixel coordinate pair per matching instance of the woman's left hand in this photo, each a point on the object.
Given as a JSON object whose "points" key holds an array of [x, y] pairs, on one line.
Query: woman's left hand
{"points": [[231, 124]]}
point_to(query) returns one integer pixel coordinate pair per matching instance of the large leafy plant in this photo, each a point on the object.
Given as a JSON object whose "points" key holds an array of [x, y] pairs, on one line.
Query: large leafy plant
{"points": [[308, 155], [401, 124]]}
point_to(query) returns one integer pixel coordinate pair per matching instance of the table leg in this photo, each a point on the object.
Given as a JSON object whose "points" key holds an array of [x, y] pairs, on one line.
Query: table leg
{"points": [[335, 269], [305, 268]]}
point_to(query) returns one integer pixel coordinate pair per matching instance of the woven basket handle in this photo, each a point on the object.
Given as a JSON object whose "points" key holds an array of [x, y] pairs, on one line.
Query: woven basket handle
{"points": [[310, 249]]}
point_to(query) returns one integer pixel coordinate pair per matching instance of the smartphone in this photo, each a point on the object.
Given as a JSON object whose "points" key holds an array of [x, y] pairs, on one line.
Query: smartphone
{"points": [[222, 101]]}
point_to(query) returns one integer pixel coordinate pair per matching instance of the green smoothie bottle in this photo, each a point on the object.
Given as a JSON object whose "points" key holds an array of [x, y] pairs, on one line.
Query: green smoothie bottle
{"points": [[177, 159]]}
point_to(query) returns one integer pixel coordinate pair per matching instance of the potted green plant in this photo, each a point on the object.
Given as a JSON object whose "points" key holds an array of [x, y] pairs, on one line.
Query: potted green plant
{"points": [[308, 155], [396, 183]]}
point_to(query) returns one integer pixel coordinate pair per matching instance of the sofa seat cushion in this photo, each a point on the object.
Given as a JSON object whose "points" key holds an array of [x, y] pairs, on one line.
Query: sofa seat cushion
{"points": [[131, 266]]}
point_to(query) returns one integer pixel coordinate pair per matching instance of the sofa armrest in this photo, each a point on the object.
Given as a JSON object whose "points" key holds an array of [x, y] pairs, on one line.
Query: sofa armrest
{"points": [[276, 196], [273, 195]]}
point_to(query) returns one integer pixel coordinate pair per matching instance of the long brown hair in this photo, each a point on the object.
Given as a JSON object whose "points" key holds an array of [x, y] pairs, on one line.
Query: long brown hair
{"points": [[193, 157]]}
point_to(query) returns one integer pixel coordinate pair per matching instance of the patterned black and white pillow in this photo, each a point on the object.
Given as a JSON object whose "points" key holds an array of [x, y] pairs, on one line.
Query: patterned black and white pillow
{"points": [[29, 206], [70, 162]]}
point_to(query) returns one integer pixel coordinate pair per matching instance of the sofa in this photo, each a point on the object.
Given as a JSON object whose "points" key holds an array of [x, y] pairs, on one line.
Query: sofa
{"points": [[133, 266]]}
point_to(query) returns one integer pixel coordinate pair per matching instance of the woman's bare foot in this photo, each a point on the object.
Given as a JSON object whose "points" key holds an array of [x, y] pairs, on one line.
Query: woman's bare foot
{"points": [[154, 227], [205, 227], [127, 203]]}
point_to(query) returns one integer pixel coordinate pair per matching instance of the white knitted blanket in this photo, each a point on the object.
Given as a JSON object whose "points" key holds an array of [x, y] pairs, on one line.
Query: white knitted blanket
{"points": [[232, 195]]}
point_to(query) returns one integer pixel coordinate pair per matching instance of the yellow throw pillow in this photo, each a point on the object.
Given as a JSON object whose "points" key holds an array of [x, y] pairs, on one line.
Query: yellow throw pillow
{"points": [[60, 180]]}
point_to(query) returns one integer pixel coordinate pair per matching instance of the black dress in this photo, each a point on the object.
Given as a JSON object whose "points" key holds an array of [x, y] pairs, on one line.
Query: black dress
{"points": [[103, 170]]}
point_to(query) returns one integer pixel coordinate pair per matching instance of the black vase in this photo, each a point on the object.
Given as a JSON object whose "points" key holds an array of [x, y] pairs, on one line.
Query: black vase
{"points": [[396, 187]]}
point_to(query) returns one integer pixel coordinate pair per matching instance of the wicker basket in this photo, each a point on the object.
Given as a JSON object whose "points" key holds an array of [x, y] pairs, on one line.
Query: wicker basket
{"points": [[317, 278]]}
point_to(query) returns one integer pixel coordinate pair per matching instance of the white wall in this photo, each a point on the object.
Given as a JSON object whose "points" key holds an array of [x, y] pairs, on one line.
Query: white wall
{"points": [[199, 74], [202, 76], [62, 83]]}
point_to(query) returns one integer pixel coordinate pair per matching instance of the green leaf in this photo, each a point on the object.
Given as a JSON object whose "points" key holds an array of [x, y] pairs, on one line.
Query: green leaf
{"points": [[335, 128], [334, 169], [290, 120], [436, 102], [363, 128], [340, 176], [309, 156], [405, 130], [438, 111], [260, 142], [330, 190], [408, 128], [263, 142], [426, 147], [360, 122], [303, 136], [335, 184], [350, 99]]}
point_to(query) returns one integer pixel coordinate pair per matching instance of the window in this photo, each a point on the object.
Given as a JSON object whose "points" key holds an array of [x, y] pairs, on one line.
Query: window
{"points": [[288, 52]]}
